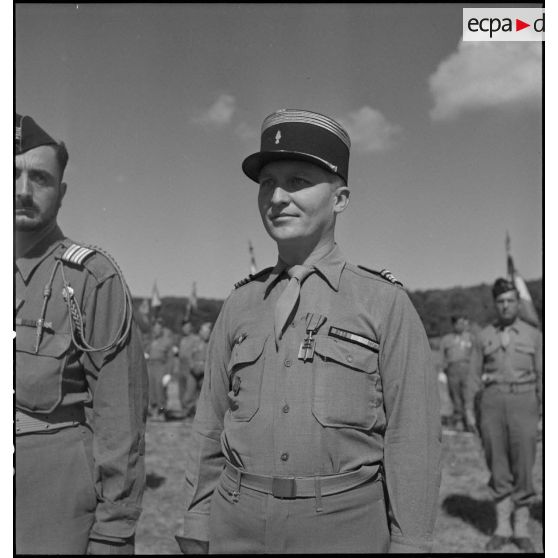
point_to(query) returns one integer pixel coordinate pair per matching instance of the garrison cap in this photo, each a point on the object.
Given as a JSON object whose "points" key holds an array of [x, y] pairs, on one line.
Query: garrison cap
{"points": [[301, 135], [28, 135], [502, 286]]}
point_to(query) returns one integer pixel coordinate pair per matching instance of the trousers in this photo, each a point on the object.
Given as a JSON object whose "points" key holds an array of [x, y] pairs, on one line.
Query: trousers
{"points": [[258, 523], [55, 498], [157, 392], [508, 429], [459, 388]]}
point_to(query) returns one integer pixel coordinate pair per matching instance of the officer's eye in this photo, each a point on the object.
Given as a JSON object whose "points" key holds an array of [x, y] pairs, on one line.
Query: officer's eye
{"points": [[299, 182], [40, 178], [266, 183]]}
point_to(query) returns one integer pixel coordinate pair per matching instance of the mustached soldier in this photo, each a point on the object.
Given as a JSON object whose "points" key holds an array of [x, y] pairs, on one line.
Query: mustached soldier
{"points": [[81, 382], [318, 426]]}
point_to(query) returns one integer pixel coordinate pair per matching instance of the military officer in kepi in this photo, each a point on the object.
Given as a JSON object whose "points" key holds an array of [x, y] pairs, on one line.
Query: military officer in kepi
{"points": [[80, 375], [318, 424], [508, 364]]}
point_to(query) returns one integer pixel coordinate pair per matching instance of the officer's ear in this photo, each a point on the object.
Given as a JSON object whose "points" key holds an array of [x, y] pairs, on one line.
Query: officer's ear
{"points": [[341, 198], [62, 192]]}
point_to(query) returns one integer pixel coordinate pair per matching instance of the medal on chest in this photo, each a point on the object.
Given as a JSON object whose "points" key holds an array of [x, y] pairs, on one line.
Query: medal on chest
{"points": [[313, 323]]}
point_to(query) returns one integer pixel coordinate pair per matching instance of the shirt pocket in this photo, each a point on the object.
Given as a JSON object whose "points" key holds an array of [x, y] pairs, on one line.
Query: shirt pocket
{"points": [[245, 370], [39, 375], [347, 385], [524, 357], [490, 357]]}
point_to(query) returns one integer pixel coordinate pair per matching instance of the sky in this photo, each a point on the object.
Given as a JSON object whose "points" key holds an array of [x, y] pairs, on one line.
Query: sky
{"points": [[160, 104]]}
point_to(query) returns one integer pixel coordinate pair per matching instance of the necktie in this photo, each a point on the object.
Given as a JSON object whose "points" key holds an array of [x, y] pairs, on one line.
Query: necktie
{"points": [[289, 297]]}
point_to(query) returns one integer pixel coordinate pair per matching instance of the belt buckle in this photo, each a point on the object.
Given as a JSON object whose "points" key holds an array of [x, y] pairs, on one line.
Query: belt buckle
{"points": [[283, 487]]}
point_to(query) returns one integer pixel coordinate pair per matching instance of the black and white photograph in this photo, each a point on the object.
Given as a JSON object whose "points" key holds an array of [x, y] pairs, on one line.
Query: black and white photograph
{"points": [[278, 278]]}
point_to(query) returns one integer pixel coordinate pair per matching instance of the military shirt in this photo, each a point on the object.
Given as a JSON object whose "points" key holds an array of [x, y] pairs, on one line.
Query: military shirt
{"points": [[186, 349], [370, 402], [112, 385], [160, 348], [456, 347], [511, 354]]}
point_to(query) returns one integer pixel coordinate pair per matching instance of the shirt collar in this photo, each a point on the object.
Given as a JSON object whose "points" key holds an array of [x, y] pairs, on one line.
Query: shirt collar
{"points": [[26, 264], [328, 267]]}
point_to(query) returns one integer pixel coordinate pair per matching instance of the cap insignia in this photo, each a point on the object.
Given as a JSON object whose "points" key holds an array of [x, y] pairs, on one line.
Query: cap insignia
{"points": [[277, 136]]}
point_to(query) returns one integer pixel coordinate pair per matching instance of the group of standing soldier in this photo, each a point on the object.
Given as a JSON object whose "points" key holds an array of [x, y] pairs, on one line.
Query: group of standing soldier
{"points": [[318, 425], [184, 364]]}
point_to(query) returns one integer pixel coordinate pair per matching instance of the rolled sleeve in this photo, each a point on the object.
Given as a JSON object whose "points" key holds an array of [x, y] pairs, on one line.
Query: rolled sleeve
{"points": [[412, 442]]}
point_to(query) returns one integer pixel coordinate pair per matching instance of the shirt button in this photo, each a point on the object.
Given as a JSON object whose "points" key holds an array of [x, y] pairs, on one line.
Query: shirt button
{"points": [[287, 362], [286, 408], [349, 358], [293, 324], [284, 456]]}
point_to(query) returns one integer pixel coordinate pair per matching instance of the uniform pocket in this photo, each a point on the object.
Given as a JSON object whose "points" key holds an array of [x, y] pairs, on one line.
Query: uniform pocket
{"points": [[245, 371], [524, 357], [39, 375], [347, 385]]}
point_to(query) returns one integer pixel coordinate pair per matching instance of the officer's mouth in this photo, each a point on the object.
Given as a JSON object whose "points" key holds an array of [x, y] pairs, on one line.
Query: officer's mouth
{"points": [[282, 217]]}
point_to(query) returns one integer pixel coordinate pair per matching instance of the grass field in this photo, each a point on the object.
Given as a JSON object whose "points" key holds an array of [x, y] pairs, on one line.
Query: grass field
{"points": [[466, 516]]}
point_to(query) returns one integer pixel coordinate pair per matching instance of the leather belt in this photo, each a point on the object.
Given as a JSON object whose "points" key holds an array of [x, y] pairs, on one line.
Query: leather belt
{"points": [[300, 487], [512, 387], [63, 417]]}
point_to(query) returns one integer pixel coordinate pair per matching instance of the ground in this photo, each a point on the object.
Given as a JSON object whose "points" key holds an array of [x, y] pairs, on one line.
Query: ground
{"points": [[466, 516]]}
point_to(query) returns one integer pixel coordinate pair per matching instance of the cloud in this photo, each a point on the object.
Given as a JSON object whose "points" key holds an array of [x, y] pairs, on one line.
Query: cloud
{"points": [[369, 129], [486, 74], [220, 113], [246, 132]]}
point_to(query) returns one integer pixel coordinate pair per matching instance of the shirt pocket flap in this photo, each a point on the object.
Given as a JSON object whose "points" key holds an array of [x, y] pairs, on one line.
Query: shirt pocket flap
{"points": [[52, 344], [524, 348], [246, 352], [348, 354], [490, 348]]}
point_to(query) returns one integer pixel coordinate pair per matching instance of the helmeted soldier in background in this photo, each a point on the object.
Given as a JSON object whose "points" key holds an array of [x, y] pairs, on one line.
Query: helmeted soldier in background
{"points": [[508, 365], [160, 367], [80, 377]]}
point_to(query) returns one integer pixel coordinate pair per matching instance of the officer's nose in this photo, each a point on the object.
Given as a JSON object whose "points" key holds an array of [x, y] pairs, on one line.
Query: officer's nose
{"points": [[23, 187], [279, 196]]}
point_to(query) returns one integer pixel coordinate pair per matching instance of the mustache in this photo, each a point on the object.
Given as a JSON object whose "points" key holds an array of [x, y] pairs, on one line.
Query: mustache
{"points": [[24, 202]]}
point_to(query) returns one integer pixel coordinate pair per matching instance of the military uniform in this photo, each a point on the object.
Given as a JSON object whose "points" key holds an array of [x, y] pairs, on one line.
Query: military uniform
{"points": [[456, 349], [80, 413], [159, 364], [334, 405], [509, 405], [192, 354]]}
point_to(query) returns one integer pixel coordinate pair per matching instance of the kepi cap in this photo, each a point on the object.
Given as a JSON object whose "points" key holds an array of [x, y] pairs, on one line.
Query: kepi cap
{"points": [[502, 286], [301, 135], [28, 135]]}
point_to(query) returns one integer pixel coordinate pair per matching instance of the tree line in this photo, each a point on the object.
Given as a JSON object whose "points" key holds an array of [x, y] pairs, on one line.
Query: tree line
{"points": [[434, 306]]}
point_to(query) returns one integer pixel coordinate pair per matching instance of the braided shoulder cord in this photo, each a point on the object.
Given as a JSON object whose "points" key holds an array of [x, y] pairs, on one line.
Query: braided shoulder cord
{"points": [[76, 317]]}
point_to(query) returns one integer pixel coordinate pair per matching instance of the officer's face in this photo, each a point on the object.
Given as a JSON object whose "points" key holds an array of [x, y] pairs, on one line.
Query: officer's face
{"points": [[205, 331], [298, 201], [507, 307], [460, 325], [187, 328], [38, 189]]}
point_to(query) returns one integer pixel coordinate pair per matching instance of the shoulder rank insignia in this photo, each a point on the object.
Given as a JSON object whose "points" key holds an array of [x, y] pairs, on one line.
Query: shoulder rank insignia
{"points": [[251, 277], [384, 274], [76, 254]]}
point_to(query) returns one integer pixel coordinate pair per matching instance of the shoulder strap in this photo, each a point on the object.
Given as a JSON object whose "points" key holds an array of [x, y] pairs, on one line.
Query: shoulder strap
{"points": [[251, 277], [76, 254], [385, 274]]}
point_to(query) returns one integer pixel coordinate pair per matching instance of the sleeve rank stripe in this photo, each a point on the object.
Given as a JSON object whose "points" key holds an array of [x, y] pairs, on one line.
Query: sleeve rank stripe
{"points": [[76, 254], [354, 338]]}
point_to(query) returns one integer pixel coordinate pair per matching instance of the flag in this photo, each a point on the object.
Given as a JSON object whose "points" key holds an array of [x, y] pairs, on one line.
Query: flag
{"points": [[253, 267], [155, 298], [527, 310], [191, 303]]}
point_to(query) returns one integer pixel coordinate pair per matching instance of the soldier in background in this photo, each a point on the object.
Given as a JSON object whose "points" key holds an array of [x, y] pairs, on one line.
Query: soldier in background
{"points": [[456, 349], [80, 377], [189, 338], [159, 365], [508, 363], [194, 353]]}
